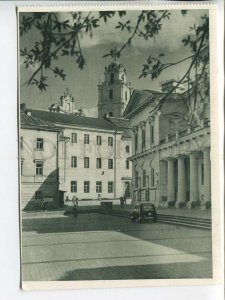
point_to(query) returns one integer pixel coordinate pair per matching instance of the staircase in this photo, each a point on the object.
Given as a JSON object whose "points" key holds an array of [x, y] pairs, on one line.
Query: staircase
{"points": [[200, 223]]}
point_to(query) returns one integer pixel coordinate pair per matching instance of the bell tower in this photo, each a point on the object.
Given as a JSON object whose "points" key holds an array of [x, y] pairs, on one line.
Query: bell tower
{"points": [[114, 92]]}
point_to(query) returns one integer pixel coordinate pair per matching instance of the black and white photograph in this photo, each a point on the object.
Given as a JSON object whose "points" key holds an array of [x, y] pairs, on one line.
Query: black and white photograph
{"points": [[115, 134]]}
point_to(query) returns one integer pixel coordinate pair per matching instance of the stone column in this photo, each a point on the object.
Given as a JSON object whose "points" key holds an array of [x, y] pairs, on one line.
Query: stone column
{"points": [[170, 183], [207, 178], [194, 194], [181, 197]]}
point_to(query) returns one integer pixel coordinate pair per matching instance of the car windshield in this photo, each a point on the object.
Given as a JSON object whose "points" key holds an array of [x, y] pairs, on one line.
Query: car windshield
{"points": [[147, 207]]}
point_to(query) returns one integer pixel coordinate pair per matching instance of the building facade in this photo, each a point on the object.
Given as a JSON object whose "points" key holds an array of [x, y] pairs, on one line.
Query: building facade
{"points": [[39, 169], [171, 147], [77, 156]]}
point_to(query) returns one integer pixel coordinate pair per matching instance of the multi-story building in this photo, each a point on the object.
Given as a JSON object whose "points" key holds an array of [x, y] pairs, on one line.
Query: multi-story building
{"points": [[171, 147], [39, 152]]}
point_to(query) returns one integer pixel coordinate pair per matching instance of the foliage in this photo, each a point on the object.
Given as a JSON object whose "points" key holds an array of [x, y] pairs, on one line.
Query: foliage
{"points": [[58, 38]]}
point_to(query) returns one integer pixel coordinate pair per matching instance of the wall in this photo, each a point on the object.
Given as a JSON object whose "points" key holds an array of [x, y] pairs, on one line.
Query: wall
{"points": [[30, 182]]}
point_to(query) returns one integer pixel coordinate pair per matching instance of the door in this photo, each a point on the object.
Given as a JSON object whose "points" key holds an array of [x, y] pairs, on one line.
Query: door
{"points": [[61, 198]]}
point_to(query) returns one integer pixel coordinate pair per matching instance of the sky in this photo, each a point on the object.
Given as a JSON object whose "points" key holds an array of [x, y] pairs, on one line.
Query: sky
{"points": [[83, 83]]}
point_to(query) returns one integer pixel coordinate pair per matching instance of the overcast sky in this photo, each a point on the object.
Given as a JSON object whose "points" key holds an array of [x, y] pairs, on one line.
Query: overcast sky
{"points": [[83, 83]]}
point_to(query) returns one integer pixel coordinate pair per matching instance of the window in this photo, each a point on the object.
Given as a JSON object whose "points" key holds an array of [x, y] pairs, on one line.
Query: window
{"points": [[99, 140], [98, 186], [86, 139], [86, 162], [202, 174], [21, 142], [86, 186], [74, 137], [136, 142], [110, 141], [152, 177], [127, 164], [98, 163], [38, 195], [143, 139], [144, 178], [136, 179], [73, 186], [39, 168], [110, 163], [127, 149], [111, 94], [151, 134], [110, 186], [126, 96], [112, 78], [73, 161], [39, 144]]}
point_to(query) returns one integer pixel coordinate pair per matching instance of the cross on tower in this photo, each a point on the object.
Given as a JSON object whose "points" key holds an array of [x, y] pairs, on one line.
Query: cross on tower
{"points": [[114, 54]]}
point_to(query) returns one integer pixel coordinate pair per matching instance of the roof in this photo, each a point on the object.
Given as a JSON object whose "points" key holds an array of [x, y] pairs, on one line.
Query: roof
{"points": [[123, 124], [73, 120], [27, 120], [142, 98]]}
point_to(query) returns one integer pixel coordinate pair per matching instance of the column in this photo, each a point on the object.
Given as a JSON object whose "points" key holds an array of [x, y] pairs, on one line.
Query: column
{"points": [[181, 195], [194, 194], [170, 183], [207, 178]]}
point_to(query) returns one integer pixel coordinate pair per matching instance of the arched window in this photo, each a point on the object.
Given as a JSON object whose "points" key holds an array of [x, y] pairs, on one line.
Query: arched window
{"points": [[110, 94], [143, 139], [136, 142], [127, 149], [136, 179], [110, 114], [111, 78]]}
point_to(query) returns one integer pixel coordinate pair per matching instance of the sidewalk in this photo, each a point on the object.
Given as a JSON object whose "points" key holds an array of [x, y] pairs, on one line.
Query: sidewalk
{"points": [[195, 212]]}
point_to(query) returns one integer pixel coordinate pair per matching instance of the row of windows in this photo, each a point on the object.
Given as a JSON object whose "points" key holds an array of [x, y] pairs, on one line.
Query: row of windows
{"points": [[40, 141], [98, 186], [98, 163], [87, 139], [145, 178], [143, 139], [40, 165]]}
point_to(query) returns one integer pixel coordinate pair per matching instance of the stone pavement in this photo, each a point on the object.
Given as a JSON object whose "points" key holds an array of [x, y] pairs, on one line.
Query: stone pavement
{"points": [[95, 247]]}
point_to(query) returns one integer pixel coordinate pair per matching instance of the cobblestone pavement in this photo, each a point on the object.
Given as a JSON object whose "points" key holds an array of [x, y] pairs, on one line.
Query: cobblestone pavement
{"points": [[99, 247]]}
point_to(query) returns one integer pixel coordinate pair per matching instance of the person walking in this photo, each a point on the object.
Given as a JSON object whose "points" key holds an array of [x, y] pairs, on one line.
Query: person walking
{"points": [[43, 205], [121, 201], [74, 211]]}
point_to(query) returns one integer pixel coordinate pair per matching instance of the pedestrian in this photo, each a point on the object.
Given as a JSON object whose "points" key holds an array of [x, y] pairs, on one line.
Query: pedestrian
{"points": [[74, 211], [121, 201], [43, 205], [125, 199]]}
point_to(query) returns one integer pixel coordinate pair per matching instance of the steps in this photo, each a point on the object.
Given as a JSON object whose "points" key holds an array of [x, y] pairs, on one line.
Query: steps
{"points": [[200, 223]]}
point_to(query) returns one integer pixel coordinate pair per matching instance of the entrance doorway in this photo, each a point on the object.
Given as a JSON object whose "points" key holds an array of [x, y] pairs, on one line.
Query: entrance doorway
{"points": [[61, 198]]}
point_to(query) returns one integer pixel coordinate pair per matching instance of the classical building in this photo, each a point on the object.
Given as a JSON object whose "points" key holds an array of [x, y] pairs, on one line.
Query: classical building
{"points": [[67, 155], [39, 164], [171, 146]]}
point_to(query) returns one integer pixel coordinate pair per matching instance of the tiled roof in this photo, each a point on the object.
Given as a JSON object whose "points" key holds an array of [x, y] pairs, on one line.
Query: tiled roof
{"points": [[123, 124], [69, 119], [32, 121]]}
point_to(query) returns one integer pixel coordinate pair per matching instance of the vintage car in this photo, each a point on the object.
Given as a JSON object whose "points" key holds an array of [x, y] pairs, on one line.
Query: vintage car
{"points": [[144, 211]]}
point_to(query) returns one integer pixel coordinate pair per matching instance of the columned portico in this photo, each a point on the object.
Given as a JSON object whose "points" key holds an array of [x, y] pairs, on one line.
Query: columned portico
{"points": [[207, 178], [194, 192], [181, 197], [171, 183]]}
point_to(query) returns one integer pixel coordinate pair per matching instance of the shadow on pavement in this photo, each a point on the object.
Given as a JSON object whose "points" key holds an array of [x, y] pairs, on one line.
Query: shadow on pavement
{"points": [[156, 271]]}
